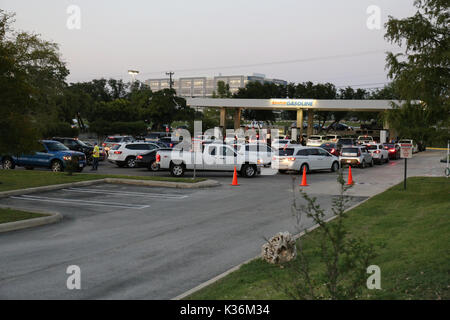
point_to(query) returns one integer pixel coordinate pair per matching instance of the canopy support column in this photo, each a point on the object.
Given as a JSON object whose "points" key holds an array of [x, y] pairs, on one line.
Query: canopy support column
{"points": [[309, 131], [300, 124], [237, 118]]}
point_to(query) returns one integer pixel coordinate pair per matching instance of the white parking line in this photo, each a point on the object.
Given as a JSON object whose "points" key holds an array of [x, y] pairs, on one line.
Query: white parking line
{"points": [[80, 202], [165, 196]]}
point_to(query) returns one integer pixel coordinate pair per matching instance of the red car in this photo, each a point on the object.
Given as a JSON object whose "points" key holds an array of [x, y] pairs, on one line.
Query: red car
{"points": [[332, 148], [393, 150]]}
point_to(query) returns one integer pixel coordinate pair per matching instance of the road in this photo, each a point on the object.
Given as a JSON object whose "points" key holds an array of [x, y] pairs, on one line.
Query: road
{"points": [[156, 243]]}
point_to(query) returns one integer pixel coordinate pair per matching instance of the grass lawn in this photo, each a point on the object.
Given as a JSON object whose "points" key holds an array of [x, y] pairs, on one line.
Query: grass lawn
{"points": [[11, 215], [413, 225], [20, 179]]}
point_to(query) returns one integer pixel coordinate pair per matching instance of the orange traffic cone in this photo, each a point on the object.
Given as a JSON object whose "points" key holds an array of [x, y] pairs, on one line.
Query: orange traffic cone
{"points": [[304, 183], [235, 182], [350, 177]]}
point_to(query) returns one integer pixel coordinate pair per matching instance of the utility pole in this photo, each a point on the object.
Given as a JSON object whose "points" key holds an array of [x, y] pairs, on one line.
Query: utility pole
{"points": [[170, 74]]}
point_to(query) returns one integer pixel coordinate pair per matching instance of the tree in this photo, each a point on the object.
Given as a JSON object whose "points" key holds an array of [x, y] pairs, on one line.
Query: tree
{"points": [[422, 72], [257, 90], [32, 77]]}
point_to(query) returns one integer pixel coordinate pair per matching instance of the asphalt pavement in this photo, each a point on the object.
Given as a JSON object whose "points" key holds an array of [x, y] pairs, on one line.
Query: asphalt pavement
{"points": [[155, 243]]}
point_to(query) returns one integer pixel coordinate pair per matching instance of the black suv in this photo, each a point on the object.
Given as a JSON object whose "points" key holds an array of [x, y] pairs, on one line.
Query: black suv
{"points": [[77, 145]]}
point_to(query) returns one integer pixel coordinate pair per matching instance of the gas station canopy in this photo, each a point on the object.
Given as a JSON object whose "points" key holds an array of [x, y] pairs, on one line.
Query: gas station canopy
{"points": [[294, 104]]}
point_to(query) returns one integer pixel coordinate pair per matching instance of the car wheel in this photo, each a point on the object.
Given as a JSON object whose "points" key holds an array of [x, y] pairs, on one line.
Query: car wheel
{"points": [[131, 162], [249, 170], [371, 162], [387, 160], [381, 160], [177, 170], [8, 164], [56, 166], [80, 169], [305, 165], [29, 168], [363, 164], [282, 171], [154, 166], [335, 166]]}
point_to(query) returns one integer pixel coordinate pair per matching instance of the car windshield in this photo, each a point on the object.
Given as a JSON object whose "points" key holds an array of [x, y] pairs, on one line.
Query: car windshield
{"points": [[345, 141], [372, 147], [281, 141], [83, 143], [389, 145], [315, 138], [331, 137], [55, 146], [286, 152], [112, 139], [327, 145]]}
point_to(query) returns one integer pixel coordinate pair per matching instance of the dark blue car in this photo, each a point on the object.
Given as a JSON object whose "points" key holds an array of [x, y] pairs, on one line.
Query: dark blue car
{"points": [[53, 155]]}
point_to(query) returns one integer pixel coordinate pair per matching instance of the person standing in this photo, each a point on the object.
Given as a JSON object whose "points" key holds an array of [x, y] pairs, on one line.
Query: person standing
{"points": [[95, 156]]}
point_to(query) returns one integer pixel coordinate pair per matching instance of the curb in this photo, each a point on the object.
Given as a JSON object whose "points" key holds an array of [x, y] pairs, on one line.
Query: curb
{"points": [[52, 217], [149, 183], [235, 268]]}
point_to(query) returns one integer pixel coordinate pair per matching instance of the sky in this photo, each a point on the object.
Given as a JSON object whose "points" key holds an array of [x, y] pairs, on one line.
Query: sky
{"points": [[317, 40]]}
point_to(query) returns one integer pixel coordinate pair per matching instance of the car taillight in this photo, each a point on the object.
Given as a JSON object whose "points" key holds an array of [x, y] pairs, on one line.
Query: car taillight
{"points": [[171, 145], [377, 151], [391, 150], [158, 158], [117, 152], [332, 151], [291, 159], [139, 157]]}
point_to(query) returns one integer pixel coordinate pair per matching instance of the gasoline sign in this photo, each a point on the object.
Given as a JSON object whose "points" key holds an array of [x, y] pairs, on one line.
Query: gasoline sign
{"points": [[406, 150]]}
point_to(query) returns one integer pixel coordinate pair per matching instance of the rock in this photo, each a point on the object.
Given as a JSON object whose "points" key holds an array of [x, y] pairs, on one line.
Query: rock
{"points": [[279, 249]]}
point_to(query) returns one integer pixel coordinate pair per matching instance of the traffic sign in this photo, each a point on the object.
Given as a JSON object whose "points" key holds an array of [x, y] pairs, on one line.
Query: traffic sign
{"points": [[406, 150]]}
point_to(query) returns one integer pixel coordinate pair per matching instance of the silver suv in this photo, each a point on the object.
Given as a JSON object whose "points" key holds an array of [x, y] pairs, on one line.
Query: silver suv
{"points": [[356, 156]]}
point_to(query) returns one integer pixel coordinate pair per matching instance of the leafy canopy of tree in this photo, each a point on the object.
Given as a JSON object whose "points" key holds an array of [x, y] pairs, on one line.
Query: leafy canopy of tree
{"points": [[32, 76], [422, 72]]}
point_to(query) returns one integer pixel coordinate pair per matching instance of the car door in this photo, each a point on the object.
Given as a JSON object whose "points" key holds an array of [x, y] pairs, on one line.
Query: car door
{"points": [[41, 158], [314, 159], [209, 158], [366, 154], [301, 157], [324, 160], [225, 158]]}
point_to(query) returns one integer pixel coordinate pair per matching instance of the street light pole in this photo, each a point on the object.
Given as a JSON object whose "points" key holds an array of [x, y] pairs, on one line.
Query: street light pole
{"points": [[133, 74], [170, 74]]}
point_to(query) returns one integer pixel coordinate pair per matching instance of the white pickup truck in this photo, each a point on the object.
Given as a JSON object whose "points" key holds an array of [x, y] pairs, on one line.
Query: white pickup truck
{"points": [[214, 157]]}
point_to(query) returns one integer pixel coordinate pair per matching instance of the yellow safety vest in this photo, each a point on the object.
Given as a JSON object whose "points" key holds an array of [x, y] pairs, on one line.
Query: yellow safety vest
{"points": [[96, 153]]}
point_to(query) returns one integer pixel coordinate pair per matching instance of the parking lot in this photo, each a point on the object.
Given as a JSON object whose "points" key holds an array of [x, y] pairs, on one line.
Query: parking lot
{"points": [[155, 243]]}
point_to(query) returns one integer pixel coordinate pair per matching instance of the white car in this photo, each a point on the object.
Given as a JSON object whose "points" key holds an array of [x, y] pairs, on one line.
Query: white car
{"points": [[332, 138], [378, 152], [124, 154], [415, 148], [299, 157], [315, 141], [258, 151], [281, 143], [365, 139], [214, 157]]}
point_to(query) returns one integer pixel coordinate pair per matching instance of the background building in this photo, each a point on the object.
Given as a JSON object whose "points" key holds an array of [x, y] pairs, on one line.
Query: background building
{"points": [[204, 87]]}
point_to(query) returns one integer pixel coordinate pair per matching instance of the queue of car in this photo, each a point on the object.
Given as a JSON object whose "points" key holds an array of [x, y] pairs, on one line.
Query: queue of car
{"points": [[328, 152]]}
